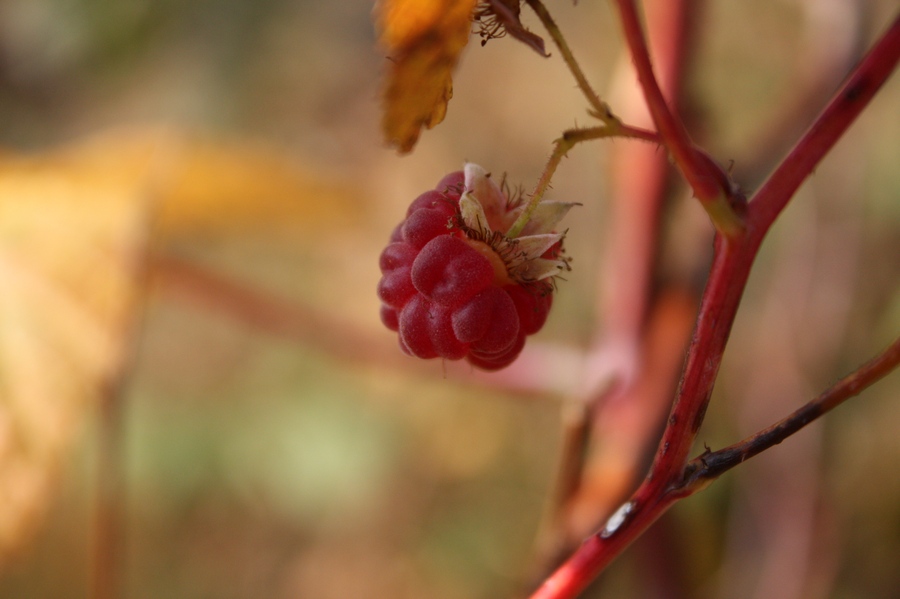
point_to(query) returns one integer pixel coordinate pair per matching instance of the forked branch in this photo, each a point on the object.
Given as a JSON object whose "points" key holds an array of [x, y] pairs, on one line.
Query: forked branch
{"points": [[734, 257], [711, 185], [709, 466]]}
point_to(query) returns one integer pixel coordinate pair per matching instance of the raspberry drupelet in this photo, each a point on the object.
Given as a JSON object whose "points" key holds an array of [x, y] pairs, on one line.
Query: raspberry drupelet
{"points": [[454, 285]]}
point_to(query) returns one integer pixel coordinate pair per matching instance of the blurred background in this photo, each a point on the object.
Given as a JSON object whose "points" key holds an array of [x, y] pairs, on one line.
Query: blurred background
{"points": [[219, 398]]}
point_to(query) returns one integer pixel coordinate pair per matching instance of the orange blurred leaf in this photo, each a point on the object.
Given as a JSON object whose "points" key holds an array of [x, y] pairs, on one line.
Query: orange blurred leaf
{"points": [[228, 188], [424, 39], [74, 229]]}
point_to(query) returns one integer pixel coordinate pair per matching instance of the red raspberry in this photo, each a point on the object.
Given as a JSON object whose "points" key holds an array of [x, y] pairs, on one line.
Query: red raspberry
{"points": [[454, 286]]}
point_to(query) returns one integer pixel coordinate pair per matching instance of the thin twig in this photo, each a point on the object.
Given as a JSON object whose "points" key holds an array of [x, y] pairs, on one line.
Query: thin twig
{"points": [[600, 109], [219, 293], [108, 533], [709, 466], [108, 552]]}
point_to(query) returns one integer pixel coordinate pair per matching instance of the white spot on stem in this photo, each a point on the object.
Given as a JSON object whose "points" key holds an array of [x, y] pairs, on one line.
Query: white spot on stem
{"points": [[616, 520]]}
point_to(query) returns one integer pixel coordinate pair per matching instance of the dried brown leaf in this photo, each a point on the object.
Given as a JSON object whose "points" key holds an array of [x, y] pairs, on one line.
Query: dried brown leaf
{"points": [[496, 18], [423, 39]]}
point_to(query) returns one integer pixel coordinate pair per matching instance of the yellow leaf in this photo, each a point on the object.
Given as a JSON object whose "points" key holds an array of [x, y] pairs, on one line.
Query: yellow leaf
{"points": [[203, 187], [424, 39], [71, 231], [225, 188], [74, 224]]}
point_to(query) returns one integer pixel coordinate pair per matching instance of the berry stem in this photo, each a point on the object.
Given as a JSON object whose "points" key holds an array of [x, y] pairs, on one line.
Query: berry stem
{"points": [[570, 139], [711, 185], [600, 109]]}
